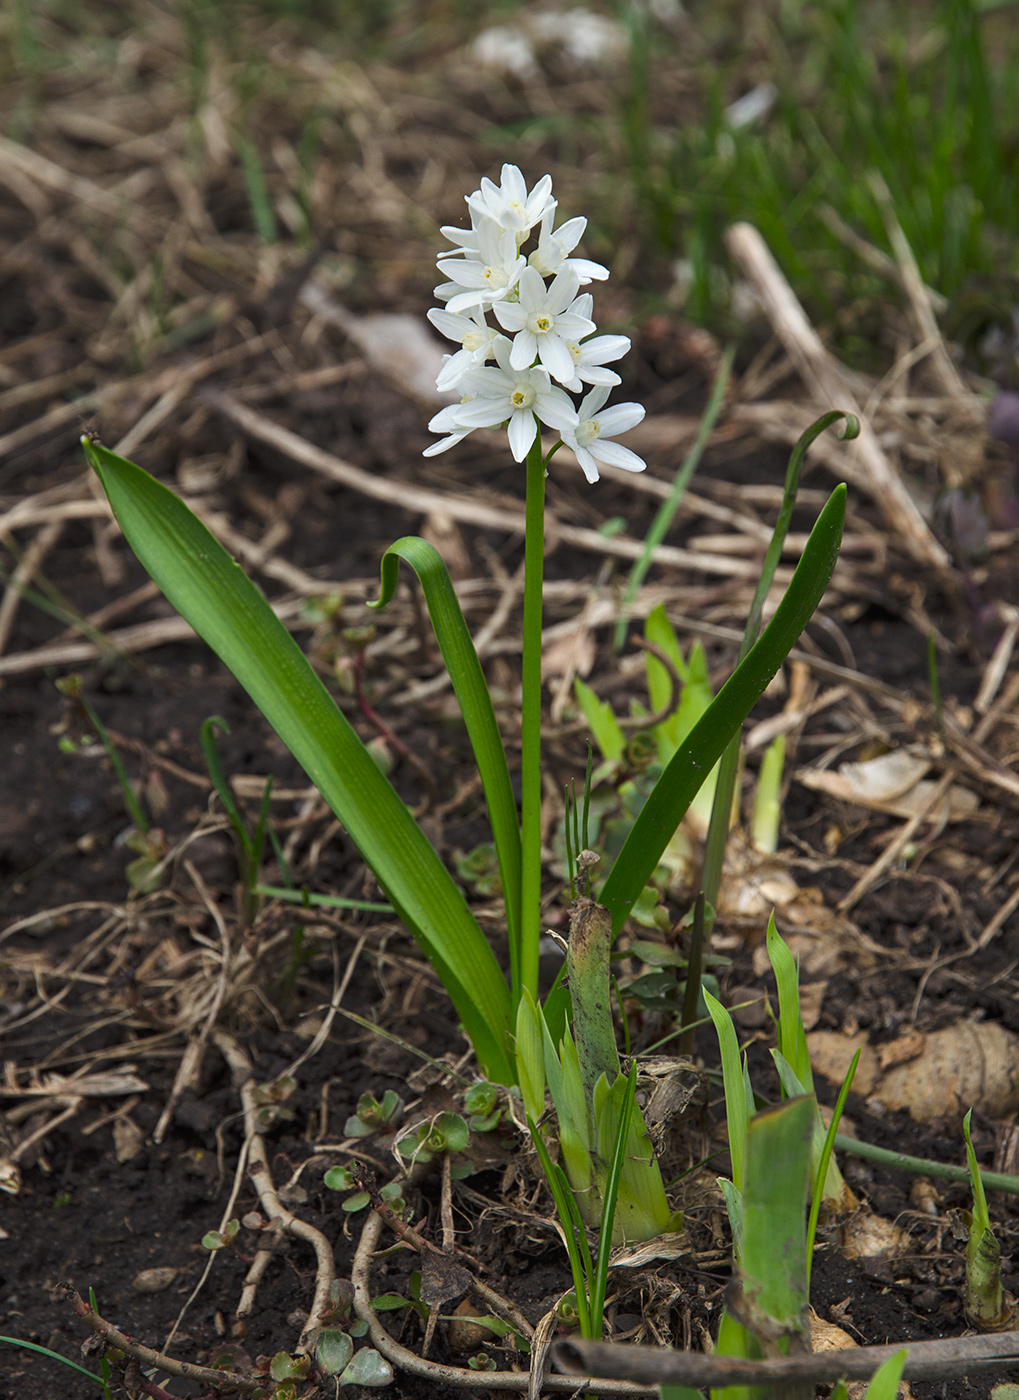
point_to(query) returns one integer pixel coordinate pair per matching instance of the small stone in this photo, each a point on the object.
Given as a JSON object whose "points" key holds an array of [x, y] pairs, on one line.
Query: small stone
{"points": [[466, 1336], [154, 1280]]}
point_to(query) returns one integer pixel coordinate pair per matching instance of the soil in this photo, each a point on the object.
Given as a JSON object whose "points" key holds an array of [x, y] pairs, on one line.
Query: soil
{"points": [[99, 977]]}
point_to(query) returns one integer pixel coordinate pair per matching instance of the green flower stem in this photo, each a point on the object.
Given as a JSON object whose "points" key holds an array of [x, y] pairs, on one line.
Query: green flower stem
{"points": [[526, 961]]}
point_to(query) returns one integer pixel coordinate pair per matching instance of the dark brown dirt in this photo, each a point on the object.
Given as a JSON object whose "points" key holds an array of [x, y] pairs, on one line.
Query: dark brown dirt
{"points": [[85, 1217]]}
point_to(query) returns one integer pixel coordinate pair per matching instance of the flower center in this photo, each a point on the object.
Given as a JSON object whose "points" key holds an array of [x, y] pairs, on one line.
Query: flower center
{"points": [[474, 340], [522, 396], [495, 276], [540, 322], [587, 432]]}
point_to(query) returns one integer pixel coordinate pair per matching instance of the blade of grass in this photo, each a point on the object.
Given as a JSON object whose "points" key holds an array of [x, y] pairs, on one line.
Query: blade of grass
{"points": [[666, 512], [55, 1356], [822, 1166]]}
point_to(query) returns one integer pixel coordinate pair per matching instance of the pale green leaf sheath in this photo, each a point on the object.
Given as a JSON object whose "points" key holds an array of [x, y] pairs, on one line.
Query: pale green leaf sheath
{"points": [[226, 609]]}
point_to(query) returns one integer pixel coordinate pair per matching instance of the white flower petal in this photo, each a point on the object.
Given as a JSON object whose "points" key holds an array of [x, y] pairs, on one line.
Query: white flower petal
{"points": [[593, 401], [522, 430], [614, 454], [620, 418], [555, 357], [525, 347]]}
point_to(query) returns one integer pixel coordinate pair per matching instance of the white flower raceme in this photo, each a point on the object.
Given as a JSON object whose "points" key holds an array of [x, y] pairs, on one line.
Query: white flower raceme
{"points": [[549, 330], [596, 424]]}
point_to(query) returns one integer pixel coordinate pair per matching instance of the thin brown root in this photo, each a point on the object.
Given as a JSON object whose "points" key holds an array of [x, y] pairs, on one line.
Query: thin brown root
{"points": [[217, 1380], [261, 1177], [435, 1371]]}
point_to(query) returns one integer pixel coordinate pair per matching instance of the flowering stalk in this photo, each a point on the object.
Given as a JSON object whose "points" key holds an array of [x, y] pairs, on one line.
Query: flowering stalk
{"points": [[525, 964], [548, 352]]}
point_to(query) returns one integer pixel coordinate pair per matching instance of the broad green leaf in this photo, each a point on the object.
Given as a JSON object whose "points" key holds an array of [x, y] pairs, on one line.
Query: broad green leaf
{"points": [[367, 1368], [333, 1350], [601, 721], [227, 610], [475, 703], [703, 746], [773, 1270]]}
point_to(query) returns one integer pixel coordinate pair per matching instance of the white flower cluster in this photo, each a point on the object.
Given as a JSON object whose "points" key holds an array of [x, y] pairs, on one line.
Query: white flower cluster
{"points": [[549, 341]]}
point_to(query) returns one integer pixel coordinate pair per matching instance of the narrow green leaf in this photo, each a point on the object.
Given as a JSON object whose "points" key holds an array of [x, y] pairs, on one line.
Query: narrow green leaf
{"points": [[54, 1356], [226, 609], [703, 746], [884, 1384], [736, 1108], [822, 1184], [530, 1057], [792, 1039], [468, 680], [610, 1195], [580, 1268]]}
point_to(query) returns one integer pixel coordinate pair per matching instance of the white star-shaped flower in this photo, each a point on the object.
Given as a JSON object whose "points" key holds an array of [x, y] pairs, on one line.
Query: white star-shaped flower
{"points": [[484, 276], [505, 395], [544, 319], [596, 424], [553, 250], [509, 203], [475, 336]]}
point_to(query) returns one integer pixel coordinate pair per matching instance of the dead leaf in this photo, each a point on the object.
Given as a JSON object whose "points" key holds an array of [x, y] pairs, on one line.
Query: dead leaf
{"points": [[968, 1065], [898, 1051], [128, 1139], [442, 1278], [894, 783], [826, 1336]]}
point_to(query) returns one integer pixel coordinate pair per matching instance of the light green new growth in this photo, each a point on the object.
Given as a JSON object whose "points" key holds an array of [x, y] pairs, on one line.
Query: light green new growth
{"points": [[768, 799], [792, 1057], [984, 1297]]}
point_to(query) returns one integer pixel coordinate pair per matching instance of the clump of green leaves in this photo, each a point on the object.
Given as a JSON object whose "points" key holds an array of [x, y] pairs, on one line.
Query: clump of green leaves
{"points": [[271, 1102], [445, 1132], [373, 1115]]}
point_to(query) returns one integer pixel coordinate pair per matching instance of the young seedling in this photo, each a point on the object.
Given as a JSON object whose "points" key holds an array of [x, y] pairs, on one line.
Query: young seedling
{"points": [[373, 1116], [143, 873], [987, 1306], [766, 1308]]}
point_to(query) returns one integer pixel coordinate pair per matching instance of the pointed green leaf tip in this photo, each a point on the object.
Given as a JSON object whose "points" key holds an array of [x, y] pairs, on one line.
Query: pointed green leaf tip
{"points": [[225, 608]]}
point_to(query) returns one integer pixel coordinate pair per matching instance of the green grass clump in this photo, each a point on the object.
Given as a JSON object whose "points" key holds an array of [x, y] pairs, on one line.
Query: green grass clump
{"points": [[926, 95]]}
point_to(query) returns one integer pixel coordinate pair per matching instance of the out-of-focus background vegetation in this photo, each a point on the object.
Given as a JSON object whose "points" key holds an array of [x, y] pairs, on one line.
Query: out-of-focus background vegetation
{"points": [[663, 122]]}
